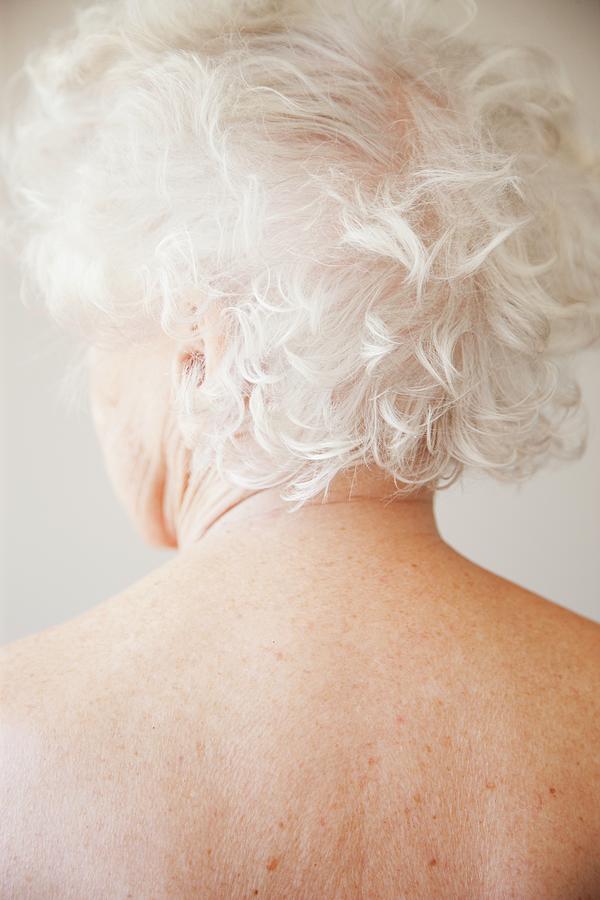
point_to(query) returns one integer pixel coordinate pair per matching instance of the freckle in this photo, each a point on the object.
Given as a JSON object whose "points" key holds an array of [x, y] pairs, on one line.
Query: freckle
{"points": [[417, 798], [199, 748], [552, 790], [434, 817], [272, 864], [433, 862], [581, 819], [407, 811], [209, 851], [428, 748], [255, 893], [321, 820], [372, 760], [490, 785], [281, 825]]}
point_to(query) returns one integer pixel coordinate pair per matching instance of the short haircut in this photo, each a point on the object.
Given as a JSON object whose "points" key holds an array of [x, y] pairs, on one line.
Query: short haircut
{"points": [[392, 230]]}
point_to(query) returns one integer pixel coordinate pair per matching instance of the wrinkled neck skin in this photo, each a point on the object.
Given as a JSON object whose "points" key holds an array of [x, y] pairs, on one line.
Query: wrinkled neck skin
{"points": [[194, 502], [172, 504], [199, 504]]}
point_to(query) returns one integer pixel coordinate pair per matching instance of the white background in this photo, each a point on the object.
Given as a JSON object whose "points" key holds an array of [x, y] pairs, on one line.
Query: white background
{"points": [[66, 544]]}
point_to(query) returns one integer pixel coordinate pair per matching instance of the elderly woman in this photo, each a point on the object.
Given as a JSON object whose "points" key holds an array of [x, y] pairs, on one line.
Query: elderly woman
{"points": [[324, 257]]}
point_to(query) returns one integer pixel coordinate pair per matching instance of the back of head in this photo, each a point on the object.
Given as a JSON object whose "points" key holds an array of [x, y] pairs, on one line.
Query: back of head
{"points": [[370, 239]]}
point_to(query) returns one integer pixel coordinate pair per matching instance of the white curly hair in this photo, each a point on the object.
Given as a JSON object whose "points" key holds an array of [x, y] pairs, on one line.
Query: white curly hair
{"points": [[390, 232]]}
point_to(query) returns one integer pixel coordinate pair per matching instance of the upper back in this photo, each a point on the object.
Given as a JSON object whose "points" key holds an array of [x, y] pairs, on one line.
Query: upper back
{"points": [[400, 732]]}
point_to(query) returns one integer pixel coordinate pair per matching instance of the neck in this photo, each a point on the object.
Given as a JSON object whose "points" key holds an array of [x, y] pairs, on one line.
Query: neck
{"points": [[211, 508]]}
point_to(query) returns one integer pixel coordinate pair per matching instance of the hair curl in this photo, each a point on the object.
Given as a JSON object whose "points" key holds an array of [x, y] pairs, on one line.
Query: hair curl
{"points": [[390, 232]]}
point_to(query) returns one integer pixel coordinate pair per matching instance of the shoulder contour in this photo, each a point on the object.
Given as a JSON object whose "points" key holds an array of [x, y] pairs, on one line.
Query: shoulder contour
{"points": [[74, 770], [561, 640]]}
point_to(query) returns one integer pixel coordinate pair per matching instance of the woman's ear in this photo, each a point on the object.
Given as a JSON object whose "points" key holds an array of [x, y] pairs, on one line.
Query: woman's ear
{"points": [[190, 365], [198, 356]]}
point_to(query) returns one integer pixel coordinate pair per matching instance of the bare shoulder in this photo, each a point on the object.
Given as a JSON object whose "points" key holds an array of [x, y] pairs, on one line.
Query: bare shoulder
{"points": [[545, 619], [552, 651], [88, 727], [148, 739]]}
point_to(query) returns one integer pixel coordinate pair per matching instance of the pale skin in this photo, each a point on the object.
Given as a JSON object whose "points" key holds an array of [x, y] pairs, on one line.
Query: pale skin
{"points": [[326, 704]]}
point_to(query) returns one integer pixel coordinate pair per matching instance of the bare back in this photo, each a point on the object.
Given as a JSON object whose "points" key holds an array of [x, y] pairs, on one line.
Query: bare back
{"points": [[369, 726]]}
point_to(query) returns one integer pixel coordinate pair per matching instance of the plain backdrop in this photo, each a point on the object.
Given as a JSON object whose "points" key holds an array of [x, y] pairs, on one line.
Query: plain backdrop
{"points": [[66, 544]]}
